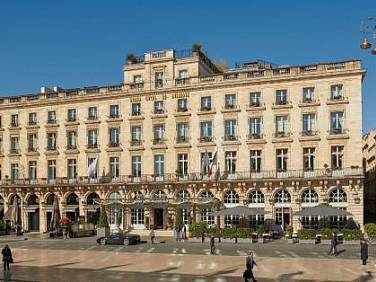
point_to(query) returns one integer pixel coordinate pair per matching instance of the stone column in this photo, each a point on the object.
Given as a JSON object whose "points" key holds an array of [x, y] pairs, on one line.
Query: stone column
{"points": [[42, 217]]}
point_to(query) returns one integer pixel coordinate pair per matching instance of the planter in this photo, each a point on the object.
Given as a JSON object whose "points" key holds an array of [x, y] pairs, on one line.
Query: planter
{"points": [[307, 241], [103, 232]]}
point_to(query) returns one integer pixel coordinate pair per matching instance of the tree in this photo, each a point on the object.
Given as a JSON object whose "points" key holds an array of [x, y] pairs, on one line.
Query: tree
{"points": [[179, 217], [196, 47], [103, 220]]}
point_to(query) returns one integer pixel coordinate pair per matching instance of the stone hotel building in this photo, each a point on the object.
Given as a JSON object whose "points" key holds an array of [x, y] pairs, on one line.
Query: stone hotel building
{"points": [[181, 133]]}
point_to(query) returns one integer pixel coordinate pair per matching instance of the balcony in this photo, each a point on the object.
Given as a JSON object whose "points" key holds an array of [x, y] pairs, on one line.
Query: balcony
{"points": [[14, 151], [32, 149], [32, 123], [71, 147], [136, 113], [230, 137], [230, 108], [158, 83], [92, 146], [14, 124], [136, 142], [51, 121], [309, 135], [114, 116], [309, 102], [206, 139], [255, 106], [182, 81], [282, 104], [182, 109], [182, 140], [281, 136], [338, 133], [114, 144], [335, 131], [206, 110], [159, 111], [92, 117], [337, 99], [136, 85], [159, 141]]}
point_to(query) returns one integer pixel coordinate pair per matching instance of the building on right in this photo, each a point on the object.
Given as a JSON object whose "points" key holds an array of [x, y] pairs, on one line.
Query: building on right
{"points": [[369, 165]]}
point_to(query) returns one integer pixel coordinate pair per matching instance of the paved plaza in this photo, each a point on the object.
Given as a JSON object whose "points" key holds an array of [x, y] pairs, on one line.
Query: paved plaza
{"points": [[83, 260]]}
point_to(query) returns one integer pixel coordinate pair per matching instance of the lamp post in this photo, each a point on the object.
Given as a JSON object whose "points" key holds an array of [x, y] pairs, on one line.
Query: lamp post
{"points": [[368, 28]]}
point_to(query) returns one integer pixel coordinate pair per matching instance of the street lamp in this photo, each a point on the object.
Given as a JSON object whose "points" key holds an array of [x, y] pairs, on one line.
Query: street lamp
{"points": [[368, 27]]}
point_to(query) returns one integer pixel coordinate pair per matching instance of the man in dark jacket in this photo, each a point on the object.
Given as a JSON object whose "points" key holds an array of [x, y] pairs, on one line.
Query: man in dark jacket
{"points": [[250, 263], [364, 251], [212, 245], [7, 257], [333, 245]]}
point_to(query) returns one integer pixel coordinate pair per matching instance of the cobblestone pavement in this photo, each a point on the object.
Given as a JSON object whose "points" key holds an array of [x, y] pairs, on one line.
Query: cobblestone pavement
{"points": [[83, 260]]}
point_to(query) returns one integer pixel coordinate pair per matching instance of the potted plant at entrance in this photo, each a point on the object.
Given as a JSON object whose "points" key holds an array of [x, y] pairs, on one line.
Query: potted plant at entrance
{"points": [[103, 229], [64, 222]]}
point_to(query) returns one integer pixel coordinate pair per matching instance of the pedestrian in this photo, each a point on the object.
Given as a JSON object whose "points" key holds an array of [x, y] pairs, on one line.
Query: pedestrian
{"points": [[184, 232], [364, 251], [250, 263], [212, 245], [177, 231], [203, 237], [7, 257], [333, 245], [152, 235]]}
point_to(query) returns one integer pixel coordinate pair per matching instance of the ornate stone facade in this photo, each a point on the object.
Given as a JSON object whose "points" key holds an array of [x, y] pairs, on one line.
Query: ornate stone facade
{"points": [[282, 138]]}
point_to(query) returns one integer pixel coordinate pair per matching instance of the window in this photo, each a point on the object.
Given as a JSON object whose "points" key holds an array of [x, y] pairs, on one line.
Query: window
{"points": [[136, 109], [32, 142], [14, 120], [231, 197], [94, 173], [158, 79], [92, 113], [206, 160], [182, 164], [256, 197], [336, 92], [136, 135], [114, 167], [255, 99], [183, 74], [138, 216], [72, 168], [337, 120], [282, 159], [255, 160], [158, 107], [230, 162], [92, 138], [137, 79], [183, 195], [309, 124], [51, 117], [308, 94], [337, 157], [232, 221], [160, 196], [71, 140], [51, 141], [182, 105], [51, 170], [206, 103], [14, 172], [158, 165], [309, 196], [281, 97], [182, 132], [207, 217], [136, 166], [230, 130], [309, 158], [337, 196], [281, 123], [33, 118], [14, 144], [206, 196], [230, 101], [255, 127], [114, 111], [72, 115], [206, 133], [114, 137], [158, 134], [32, 170], [282, 196]]}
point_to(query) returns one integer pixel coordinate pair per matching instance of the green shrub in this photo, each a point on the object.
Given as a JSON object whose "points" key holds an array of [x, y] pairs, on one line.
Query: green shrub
{"points": [[260, 230], [198, 229], [352, 234], [2, 225], [306, 234], [216, 232], [290, 230], [229, 232], [243, 233], [370, 228], [326, 233], [103, 220], [179, 217]]}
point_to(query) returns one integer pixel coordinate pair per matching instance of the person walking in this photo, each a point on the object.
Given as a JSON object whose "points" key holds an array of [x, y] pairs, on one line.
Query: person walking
{"points": [[7, 257], [152, 235], [249, 263], [212, 245], [364, 251], [333, 245]]}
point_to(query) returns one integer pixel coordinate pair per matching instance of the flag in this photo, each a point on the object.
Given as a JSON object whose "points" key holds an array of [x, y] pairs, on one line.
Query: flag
{"points": [[92, 169], [213, 162], [205, 163], [217, 173]]}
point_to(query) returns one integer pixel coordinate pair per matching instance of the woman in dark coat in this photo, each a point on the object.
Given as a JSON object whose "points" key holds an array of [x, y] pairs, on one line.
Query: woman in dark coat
{"points": [[7, 257], [364, 251]]}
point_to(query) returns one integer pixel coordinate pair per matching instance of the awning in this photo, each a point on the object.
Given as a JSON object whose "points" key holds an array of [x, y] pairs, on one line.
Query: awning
{"points": [[322, 210], [240, 211]]}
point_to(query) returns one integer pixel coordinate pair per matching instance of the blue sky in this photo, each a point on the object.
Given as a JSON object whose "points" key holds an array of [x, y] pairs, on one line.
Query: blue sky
{"points": [[84, 43]]}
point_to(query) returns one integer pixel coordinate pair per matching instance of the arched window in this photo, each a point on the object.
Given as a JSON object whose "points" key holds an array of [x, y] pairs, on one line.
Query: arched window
{"points": [[160, 196], [72, 199], [50, 199], [92, 199], [206, 195], [182, 195], [282, 196], [256, 197], [33, 200], [114, 196], [231, 197], [337, 196], [309, 196], [12, 199], [138, 196]]}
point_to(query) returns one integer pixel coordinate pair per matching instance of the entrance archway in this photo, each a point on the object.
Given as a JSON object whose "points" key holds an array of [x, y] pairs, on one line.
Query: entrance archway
{"points": [[32, 210]]}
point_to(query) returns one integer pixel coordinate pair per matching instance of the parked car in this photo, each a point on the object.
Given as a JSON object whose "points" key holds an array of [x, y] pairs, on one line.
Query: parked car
{"points": [[119, 239]]}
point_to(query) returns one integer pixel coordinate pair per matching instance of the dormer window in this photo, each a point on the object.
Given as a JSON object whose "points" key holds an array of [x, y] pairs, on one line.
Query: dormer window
{"points": [[183, 74], [137, 78]]}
